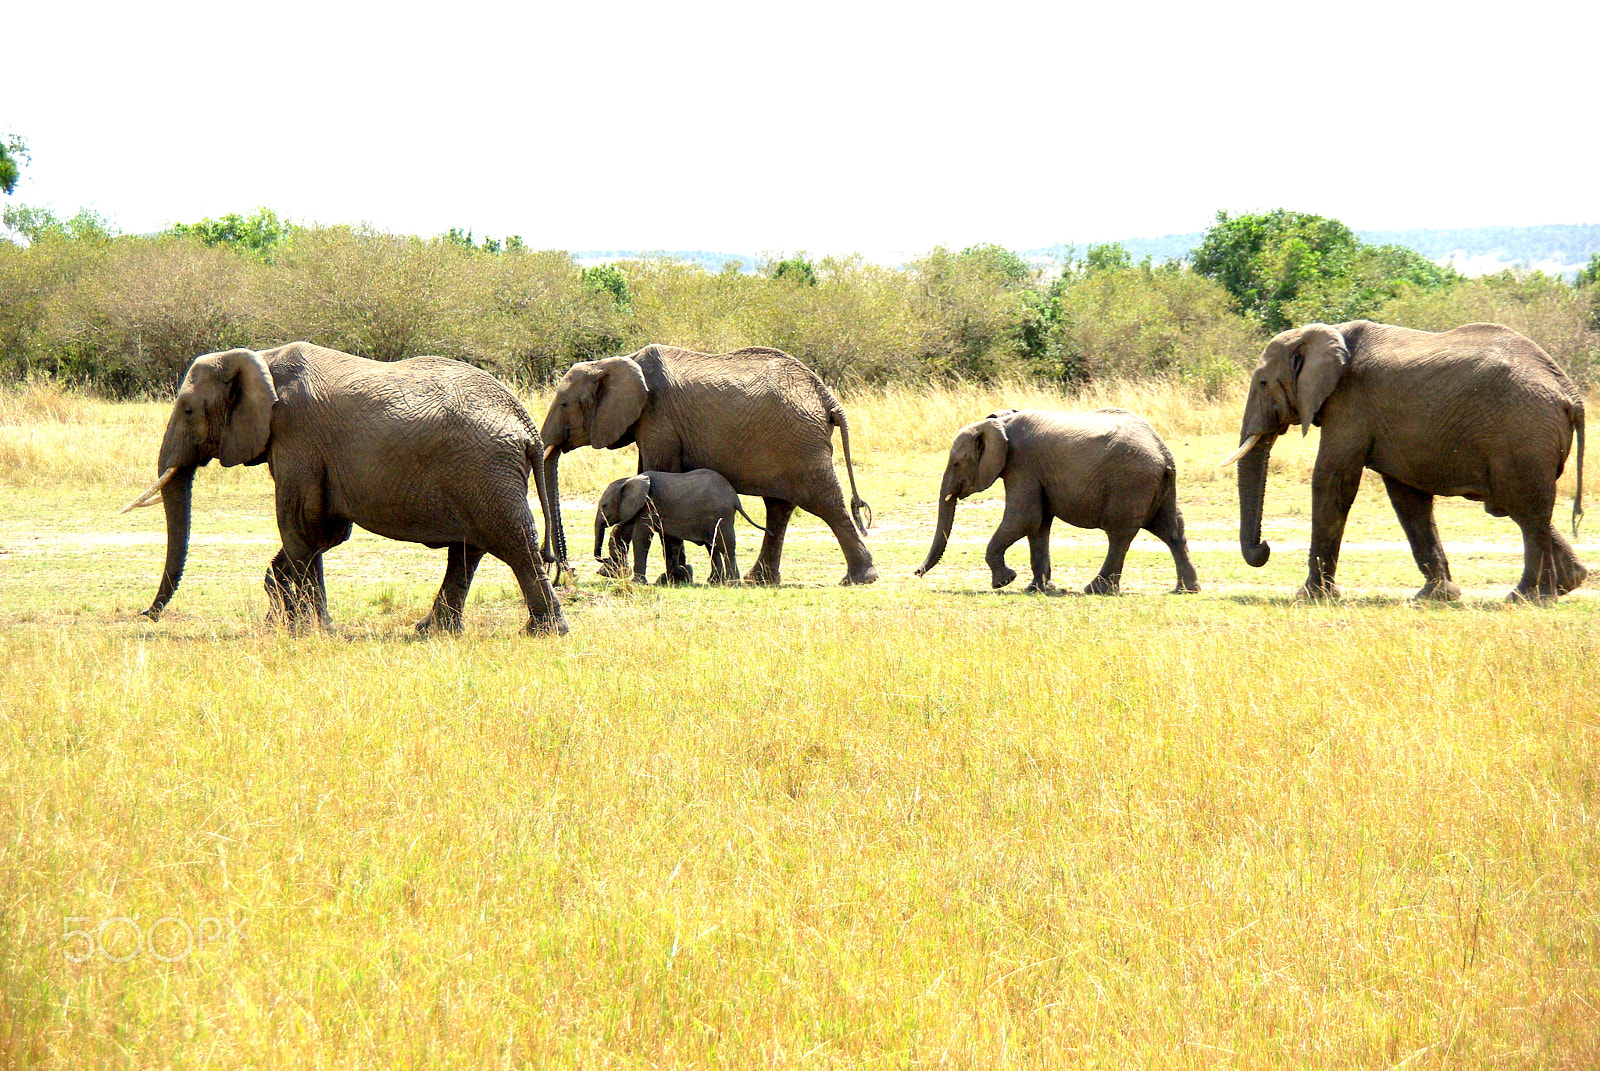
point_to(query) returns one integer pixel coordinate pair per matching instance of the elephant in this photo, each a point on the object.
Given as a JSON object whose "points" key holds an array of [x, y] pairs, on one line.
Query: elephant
{"points": [[758, 416], [426, 450], [1105, 469], [696, 507], [1479, 412]]}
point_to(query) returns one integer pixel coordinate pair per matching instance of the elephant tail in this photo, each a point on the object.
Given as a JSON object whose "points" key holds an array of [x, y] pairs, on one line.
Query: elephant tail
{"points": [[858, 505], [1577, 495], [760, 528]]}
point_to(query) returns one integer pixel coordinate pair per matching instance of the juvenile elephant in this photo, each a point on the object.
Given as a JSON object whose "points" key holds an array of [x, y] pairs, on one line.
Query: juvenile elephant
{"points": [[1480, 412], [695, 507], [758, 416], [1105, 469], [427, 450]]}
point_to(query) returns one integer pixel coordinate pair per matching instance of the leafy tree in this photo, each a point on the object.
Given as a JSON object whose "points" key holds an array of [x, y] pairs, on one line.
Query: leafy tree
{"points": [[797, 269], [1589, 274], [1265, 260], [261, 233], [36, 224], [1284, 267], [1110, 256], [982, 311], [13, 157], [608, 279], [999, 264]]}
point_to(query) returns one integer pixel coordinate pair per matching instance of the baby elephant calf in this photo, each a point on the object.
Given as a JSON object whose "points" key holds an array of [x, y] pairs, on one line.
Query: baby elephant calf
{"points": [[696, 507]]}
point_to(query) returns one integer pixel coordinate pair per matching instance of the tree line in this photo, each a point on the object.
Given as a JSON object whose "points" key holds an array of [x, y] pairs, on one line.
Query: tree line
{"points": [[124, 314]]}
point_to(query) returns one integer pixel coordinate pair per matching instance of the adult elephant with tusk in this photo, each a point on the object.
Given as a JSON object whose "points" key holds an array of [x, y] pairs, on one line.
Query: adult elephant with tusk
{"points": [[1480, 412], [426, 450], [758, 416]]}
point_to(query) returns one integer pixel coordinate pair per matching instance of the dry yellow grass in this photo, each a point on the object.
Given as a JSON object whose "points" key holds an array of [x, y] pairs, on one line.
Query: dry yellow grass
{"points": [[912, 825]]}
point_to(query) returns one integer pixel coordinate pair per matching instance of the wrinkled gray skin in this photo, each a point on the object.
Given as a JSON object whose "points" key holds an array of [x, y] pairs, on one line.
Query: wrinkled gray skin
{"points": [[1105, 469], [1480, 412], [427, 450], [758, 416], [695, 507]]}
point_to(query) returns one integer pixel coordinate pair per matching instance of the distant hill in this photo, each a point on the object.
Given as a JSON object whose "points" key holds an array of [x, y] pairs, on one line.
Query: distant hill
{"points": [[1557, 248], [712, 262]]}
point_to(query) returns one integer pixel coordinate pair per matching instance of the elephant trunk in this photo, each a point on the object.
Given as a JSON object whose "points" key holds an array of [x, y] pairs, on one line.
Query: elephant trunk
{"points": [[176, 498], [600, 527], [554, 529], [947, 520], [1252, 500]]}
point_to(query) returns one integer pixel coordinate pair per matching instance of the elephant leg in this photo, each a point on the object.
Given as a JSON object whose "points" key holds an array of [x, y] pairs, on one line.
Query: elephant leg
{"points": [[452, 598], [724, 562], [280, 589], [298, 584], [1570, 573], [615, 564], [642, 534], [1415, 510], [766, 570], [1541, 560], [306, 530], [1167, 526], [1024, 516], [1039, 555], [519, 549], [1108, 581], [828, 504], [334, 532], [1333, 488], [679, 571]]}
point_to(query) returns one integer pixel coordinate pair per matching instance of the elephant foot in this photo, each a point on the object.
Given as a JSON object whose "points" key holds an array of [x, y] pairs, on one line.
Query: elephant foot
{"points": [[673, 579], [612, 570], [869, 575], [1570, 578], [1440, 591], [1188, 587], [1310, 592], [439, 622], [551, 625], [1002, 576], [1041, 587], [1103, 585], [763, 575]]}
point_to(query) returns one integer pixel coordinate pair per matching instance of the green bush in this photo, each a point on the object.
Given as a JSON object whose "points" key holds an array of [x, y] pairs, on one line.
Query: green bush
{"points": [[1112, 321], [126, 313], [261, 233]]}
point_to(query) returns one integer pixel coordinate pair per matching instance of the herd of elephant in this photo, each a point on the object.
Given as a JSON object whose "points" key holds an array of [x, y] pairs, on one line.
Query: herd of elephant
{"points": [[434, 451]]}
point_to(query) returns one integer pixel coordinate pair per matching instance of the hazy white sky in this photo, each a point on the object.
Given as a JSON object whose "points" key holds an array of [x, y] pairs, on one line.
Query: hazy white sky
{"points": [[817, 126]]}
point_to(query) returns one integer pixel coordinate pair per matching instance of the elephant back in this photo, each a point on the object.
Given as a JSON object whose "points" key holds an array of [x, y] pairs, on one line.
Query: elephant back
{"points": [[758, 416]]}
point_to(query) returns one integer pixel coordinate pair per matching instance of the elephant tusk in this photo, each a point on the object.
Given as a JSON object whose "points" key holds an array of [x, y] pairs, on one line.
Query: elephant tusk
{"points": [[949, 498], [551, 451], [150, 495], [1243, 450]]}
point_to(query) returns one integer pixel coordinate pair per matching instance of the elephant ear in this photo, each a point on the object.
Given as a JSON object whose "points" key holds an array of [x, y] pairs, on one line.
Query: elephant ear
{"points": [[621, 401], [635, 496], [1322, 357], [247, 423], [993, 449]]}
